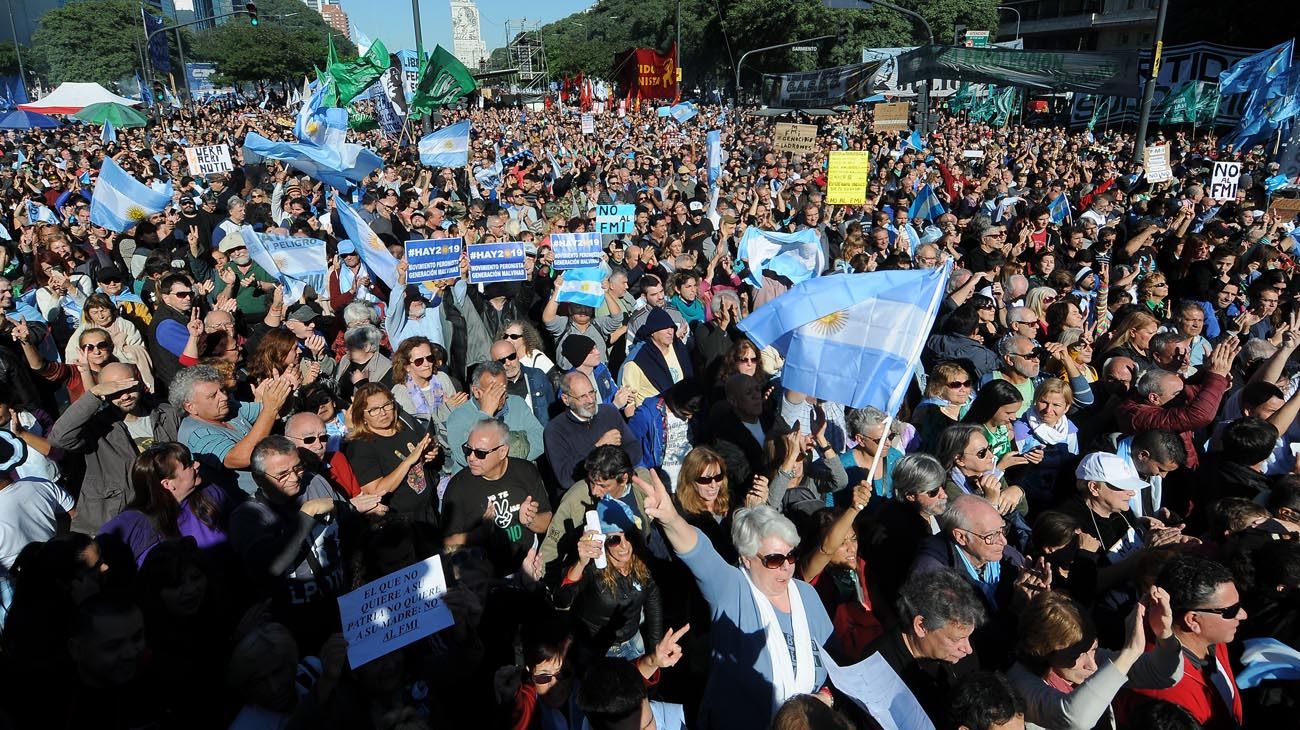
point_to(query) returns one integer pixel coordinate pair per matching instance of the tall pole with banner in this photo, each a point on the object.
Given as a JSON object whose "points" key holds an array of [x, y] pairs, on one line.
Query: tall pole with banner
{"points": [[1149, 91], [925, 83]]}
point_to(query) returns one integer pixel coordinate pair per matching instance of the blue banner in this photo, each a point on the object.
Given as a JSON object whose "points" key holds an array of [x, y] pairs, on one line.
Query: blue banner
{"points": [[432, 259], [158, 44], [491, 262], [200, 78], [576, 250]]}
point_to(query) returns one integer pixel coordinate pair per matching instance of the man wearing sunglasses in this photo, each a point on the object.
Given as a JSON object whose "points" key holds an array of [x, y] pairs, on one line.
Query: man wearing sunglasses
{"points": [[528, 383], [1207, 612], [108, 426], [169, 330], [497, 502], [307, 431]]}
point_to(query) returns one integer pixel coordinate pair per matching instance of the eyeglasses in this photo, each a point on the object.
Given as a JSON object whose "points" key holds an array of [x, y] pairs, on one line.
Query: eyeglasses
{"points": [[960, 383], [183, 294], [776, 560], [508, 358], [1227, 612], [513, 336], [1027, 323], [1000, 234], [379, 410], [933, 493], [479, 454], [547, 678], [295, 471], [98, 346], [710, 478], [747, 359], [991, 538], [309, 440]]}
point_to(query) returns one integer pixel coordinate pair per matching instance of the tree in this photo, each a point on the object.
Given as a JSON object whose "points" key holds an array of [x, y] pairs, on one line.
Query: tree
{"points": [[89, 40], [287, 45], [9, 59]]}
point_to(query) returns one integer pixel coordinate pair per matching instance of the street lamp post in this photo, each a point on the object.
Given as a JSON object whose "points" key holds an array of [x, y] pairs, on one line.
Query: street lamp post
{"points": [[777, 47], [866, 4], [13, 28], [1017, 12], [426, 124]]}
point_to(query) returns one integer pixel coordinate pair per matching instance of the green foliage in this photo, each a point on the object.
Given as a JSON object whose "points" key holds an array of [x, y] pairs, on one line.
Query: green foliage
{"points": [[588, 41], [88, 40], [9, 59], [279, 48]]}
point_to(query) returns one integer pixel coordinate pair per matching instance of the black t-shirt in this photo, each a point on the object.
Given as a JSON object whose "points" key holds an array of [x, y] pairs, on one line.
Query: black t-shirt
{"points": [[468, 496], [377, 456]]}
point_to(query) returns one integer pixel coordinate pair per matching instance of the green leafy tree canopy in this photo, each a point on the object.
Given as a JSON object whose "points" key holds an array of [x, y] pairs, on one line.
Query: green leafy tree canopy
{"points": [[89, 40], [288, 44]]}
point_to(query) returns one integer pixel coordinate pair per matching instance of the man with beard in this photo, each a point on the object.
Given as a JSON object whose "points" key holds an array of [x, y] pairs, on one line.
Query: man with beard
{"points": [[251, 283], [108, 427], [585, 424]]}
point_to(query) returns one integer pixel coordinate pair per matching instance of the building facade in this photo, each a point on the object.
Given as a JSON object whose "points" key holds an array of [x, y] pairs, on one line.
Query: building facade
{"points": [[466, 34], [1080, 25]]}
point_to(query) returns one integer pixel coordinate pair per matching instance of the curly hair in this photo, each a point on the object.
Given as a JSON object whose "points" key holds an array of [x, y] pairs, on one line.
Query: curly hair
{"points": [[402, 356], [271, 354], [532, 338], [731, 361]]}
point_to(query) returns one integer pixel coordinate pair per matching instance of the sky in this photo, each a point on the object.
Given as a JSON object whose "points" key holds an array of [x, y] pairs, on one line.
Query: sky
{"points": [[390, 20]]}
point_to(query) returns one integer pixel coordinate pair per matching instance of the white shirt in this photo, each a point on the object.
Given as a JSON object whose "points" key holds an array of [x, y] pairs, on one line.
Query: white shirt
{"points": [[29, 512]]}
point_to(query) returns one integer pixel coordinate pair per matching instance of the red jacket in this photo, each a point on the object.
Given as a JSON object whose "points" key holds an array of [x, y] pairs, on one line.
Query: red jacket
{"points": [[1194, 694], [1201, 396]]}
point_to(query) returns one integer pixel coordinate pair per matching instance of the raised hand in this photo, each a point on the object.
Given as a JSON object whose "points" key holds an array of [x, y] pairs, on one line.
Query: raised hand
{"points": [[669, 650], [528, 512], [195, 325], [658, 503]]}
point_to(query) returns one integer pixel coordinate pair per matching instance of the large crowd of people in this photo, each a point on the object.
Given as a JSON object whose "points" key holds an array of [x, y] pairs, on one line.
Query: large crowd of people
{"points": [[1087, 504]]}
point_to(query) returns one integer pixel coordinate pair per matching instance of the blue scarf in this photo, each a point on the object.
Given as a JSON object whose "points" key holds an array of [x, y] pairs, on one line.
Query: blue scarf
{"points": [[693, 312], [987, 579]]}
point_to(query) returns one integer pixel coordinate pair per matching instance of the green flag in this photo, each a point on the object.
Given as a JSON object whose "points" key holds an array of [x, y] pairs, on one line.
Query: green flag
{"points": [[983, 109], [1195, 102], [358, 122], [1098, 109], [1003, 106], [963, 100], [353, 77], [442, 81]]}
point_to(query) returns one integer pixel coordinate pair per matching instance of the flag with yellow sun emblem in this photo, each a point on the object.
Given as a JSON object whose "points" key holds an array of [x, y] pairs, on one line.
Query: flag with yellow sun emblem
{"points": [[853, 339], [120, 201]]}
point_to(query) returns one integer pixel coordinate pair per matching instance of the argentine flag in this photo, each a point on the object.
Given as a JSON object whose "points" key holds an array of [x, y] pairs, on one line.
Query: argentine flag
{"points": [[108, 134], [1060, 209], [853, 339], [683, 112], [796, 256], [341, 166], [38, 213], [447, 147], [1006, 208], [320, 125], [120, 201], [583, 286], [374, 254], [916, 142], [926, 206]]}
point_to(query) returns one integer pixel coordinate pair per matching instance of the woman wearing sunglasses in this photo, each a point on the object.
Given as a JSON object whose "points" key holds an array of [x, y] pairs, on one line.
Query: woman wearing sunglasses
{"points": [[948, 391], [420, 387], [391, 456], [965, 452], [617, 609], [759, 611]]}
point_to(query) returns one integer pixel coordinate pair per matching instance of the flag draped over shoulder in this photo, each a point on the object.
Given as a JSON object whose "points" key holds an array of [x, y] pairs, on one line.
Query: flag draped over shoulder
{"points": [[853, 339], [353, 77], [1253, 71], [443, 80], [796, 256], [446, 147], [374, 254], [120, 201]]}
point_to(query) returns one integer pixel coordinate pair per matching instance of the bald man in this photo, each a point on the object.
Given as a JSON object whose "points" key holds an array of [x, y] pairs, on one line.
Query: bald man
{"points": [[109, 425], [307, 432]]}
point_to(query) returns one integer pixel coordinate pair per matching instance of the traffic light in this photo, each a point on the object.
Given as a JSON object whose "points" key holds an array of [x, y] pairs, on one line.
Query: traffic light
{"points": [[252, 13], [159, 94]]}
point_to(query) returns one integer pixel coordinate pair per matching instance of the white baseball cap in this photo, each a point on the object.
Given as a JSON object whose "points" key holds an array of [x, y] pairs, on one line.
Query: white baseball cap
{"points": [[1111, 469]]}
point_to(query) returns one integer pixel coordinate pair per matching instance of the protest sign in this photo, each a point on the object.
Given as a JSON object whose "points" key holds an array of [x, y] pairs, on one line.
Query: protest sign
{"points": [[892, 116], [576, 250], [795, 138], [492, 262], [615, 219], [588, 124], [208, 160], [432, 259], [874, 686], [1155, 158], [294, 261], [1223, 183], [847, 179], [385, 615]]}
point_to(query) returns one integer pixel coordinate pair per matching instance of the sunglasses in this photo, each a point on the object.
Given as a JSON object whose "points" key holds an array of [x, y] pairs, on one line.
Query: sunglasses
{"points": [[184, 294], [776, 560], [547, 678], [309, 440], [477, 453], [508, 358], [710, 478], [418, 361], [747, 359], [97, 346], [613, 540], [1227, 612], [960, 383], [933, 492], [510, 336], [982, 453]]}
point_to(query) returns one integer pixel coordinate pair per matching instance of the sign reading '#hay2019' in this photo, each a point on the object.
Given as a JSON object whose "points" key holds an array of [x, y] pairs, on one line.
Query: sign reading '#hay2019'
{"points": [[432, 259], [576, 250]]}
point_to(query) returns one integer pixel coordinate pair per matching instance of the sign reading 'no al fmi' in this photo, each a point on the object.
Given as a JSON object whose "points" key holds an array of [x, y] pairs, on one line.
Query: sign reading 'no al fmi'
{"points": [[1223, 183], [615, 219]]}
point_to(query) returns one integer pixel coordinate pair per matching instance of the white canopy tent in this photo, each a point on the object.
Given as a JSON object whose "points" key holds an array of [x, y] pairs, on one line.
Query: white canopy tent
{"points": [[71, 97]]}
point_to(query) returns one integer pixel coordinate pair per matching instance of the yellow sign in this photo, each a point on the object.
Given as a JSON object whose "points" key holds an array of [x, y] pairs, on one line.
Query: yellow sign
{"points": [[846, 182], [679, 74]]}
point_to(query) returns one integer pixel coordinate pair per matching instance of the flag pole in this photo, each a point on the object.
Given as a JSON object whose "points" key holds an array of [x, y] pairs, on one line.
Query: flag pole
{"points": [[880, 448]]}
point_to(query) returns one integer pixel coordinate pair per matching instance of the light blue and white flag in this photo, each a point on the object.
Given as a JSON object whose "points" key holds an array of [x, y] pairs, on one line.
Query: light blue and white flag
{"points": [[1275, 183], [926, 206], [1285, 92], [108, 134], [120, 201], [447, 147], [916, 141], [374, 254], [583, 286], [318, 124], [908, 232], [683, 112], [294, 261], [1266, 659], [19, 160], [852, 339], [1254, 71], [38, 213], [1060, 209], [1006, 208], [796, 256], [341, 166], [490, 176], [713, 142]]}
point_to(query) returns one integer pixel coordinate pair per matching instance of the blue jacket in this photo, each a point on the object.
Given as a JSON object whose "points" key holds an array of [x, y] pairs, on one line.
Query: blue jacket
{"points": [[542, 395], [606, 386], [649, 425]]}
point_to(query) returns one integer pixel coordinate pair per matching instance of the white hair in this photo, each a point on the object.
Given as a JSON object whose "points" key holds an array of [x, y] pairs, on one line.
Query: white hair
{"points": [[751, 525]]}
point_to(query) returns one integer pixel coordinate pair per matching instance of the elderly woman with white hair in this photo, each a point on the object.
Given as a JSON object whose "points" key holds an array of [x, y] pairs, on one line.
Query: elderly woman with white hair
{"points": [[759, 610]]}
